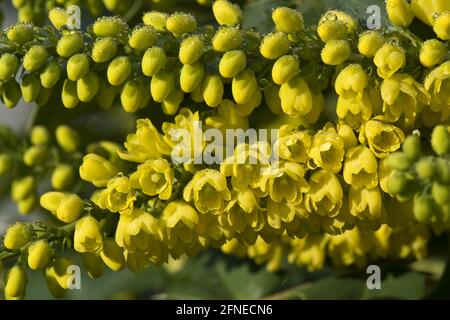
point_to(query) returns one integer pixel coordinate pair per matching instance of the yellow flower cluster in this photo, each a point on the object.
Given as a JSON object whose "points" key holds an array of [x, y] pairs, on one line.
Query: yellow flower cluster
{"points": [[321, 185]]}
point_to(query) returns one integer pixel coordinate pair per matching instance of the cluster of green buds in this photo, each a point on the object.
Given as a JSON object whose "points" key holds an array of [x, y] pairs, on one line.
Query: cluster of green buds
{"points": [[422, 171]]}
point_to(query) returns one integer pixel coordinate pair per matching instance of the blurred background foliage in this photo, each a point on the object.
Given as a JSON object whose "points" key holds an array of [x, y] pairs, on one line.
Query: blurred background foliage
{"points": [[213, 275]]}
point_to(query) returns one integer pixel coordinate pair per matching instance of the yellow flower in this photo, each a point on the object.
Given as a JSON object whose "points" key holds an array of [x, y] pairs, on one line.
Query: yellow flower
{"points": [[354, 111], [226, 39], [39, 254], [66, 207], [285, 68], [154, 177], [118, 196], [442, 26], [309, 251], [16, 282], [351, 82], [293, 144], [188, 122], [269, 253], [146, 143], [274, 45], [180, 222], [181, 23], [227, 117], [326, 196], [155, 19], [139, 233], [327, 150], [389, 59], [246, 165], [208, 189], [285, 182], [332, 30], [112, 255], [402, 96], [351, 247], [350, 22], [432, 53], [335, 52], [279, 215], [87, 236], [384, 172], [426, 10], [437, 83], [360, 167], [365, 203], [97, 170], [381, 138]]}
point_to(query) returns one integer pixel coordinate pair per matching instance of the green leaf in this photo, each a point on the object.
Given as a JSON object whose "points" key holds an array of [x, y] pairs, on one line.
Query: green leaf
{"points": [[333, 288], [408, 286]]}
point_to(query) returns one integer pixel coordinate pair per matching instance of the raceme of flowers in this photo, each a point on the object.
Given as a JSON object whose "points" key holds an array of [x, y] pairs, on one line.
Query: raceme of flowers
{"points": [[329, 194]]}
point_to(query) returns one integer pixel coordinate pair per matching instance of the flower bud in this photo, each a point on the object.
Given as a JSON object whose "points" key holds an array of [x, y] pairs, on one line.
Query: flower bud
{"points": [[69, 95], [104, 49], [51, 200], [69, 44], [244, 86], [59, 272], [35, 58], [162, 84], [350, 22], [112, 255], [389, 59], [332, 30], [412, 147], [39, 255], [25, 206], [87, 87], [399, 12], [226, 39], [197, 94], [119, 70], [245, 109], [9, 64], [181, 23], [93, 265], [172, 103], [397, 183], [30, 87], [63, 177], [442, 26], [351, 82], [77, 66], [425, 168], [97, 170], [335, 52], [272, 97], [20, 33], [443, 171], [16, 282], [6, 163], [231, 63], [153, 60], [106, 94], [369, 43], [43, 96], [424, 208], [50, 74], [274, 45], [58, 17], [87, 236], [70, 208], [227, 13], [191, 49], [109, 27], [11, 93], [67, 138], [130, 95], [284, 69], [440, 140], [296, 97], [22, 187], [432, 53], [440, 193], [16, 236], [191, 76], [143, 38], [155, 19], [398, 161], [287, 20], [35, 156], [212, 90]]}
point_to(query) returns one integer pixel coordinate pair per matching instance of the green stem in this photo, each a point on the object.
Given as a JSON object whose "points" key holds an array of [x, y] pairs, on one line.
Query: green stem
{"points": [[288, 293]]}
